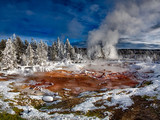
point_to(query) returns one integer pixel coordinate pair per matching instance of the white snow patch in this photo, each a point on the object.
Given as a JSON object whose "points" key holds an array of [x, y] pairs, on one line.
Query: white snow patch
{"points": [[87, 105], [36, 97]]}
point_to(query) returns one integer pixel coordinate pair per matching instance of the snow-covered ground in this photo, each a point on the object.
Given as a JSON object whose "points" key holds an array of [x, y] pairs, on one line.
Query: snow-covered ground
{"points": [[86, 101]]}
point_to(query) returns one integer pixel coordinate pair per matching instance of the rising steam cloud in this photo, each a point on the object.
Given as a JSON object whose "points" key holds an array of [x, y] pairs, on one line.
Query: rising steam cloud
{"points": [[129, 18]]}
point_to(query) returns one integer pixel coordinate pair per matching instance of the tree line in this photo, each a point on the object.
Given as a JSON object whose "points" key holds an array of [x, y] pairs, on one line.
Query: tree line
{"points": [[14, 52]]}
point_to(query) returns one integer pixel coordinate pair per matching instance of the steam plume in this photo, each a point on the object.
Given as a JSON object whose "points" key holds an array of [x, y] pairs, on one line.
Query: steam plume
{"points": [[129, 18]]}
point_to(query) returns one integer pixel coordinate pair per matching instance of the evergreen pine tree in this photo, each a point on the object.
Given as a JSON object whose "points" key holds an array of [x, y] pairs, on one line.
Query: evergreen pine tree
{"points": [[33, 44], [2, 47], [72, 53], [24, 60], [50, 53], [26, 43], [54, 51], [60, 49], [19, 48], [69, 50], [67, 47], [42, 51], [29, 56], [9, 59], [76, 50]]}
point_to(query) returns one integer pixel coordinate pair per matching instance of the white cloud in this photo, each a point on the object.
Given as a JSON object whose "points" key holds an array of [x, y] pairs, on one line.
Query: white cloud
{"points": [[75, 28], [129, 18]]}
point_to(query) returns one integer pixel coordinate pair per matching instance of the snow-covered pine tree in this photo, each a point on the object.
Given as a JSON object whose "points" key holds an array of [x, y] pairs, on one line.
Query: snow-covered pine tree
{"points": [[29, 56], [42, 51], [34, 47], [58, 42], [33, 44], [50, 53], [45, 53], [76, 50], [19, 48], [9, 59], [72, 53], [67, 48], [26, 43], [54, 51], [24, 60], [2, 47], [38, 55], [59, 49]]}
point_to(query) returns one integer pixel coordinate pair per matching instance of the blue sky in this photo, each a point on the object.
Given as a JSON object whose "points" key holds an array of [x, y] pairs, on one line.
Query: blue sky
{"points": [[48, 19]]}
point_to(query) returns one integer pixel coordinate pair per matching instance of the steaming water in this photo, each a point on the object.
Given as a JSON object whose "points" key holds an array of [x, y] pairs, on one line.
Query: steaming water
{"points": [[101, 65], [128, 19]]}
